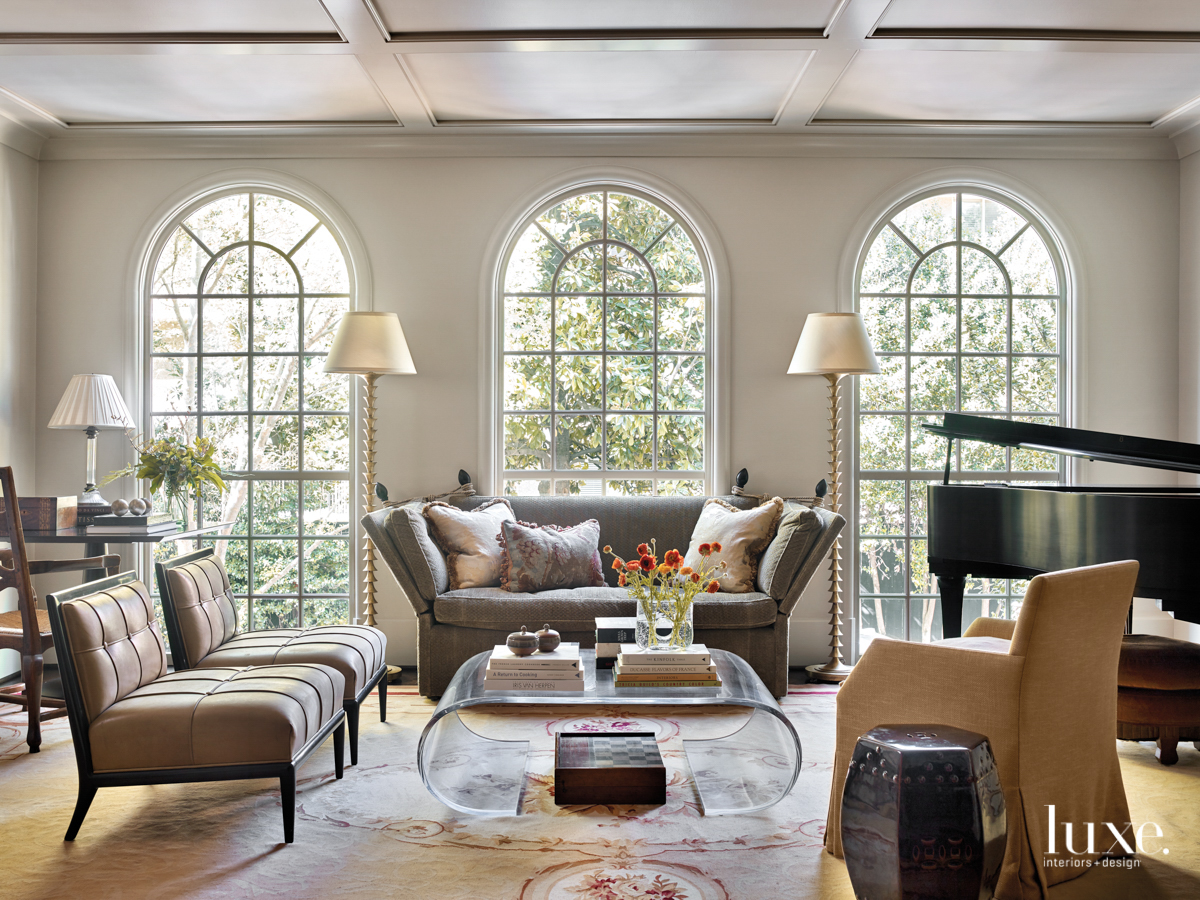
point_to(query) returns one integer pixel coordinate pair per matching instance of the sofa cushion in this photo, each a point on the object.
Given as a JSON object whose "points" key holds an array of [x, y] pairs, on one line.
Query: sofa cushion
{"points": [[356, 651], [469, 540], [216, 717], [625, 522], [425, 561], [549, 557], [798, 530], [742, 535], [576, 609]]}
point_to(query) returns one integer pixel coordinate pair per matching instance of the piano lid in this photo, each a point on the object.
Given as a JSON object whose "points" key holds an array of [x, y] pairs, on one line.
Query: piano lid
{"points": [[1095, 445]]}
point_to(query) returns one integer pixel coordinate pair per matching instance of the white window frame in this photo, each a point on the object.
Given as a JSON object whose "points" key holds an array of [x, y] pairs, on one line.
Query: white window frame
{"points": [[711, 259], [157, 230], [1068, 328]]}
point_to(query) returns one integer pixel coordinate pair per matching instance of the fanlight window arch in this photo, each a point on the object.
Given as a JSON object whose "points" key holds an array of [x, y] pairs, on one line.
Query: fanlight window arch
{"points": [[605, 375], [246, 294], [963, 296]]}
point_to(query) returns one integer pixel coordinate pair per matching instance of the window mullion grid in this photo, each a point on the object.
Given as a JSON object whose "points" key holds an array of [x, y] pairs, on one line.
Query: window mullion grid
{"points": [[302, 444], [604, 296], [251, 492]]}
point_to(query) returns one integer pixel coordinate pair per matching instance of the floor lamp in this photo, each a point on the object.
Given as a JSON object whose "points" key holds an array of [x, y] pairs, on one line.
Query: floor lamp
{"points": [[834, 345], [369, 344]]}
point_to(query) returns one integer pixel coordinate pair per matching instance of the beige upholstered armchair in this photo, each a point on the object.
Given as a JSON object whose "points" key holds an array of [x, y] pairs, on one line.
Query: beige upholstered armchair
{"points": [[1044, 691]]}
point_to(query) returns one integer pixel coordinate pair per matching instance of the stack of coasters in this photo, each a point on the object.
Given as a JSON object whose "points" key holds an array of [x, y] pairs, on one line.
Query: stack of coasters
{"points": [[608, 768], [557, 670], [663, 669], [611, 633]]}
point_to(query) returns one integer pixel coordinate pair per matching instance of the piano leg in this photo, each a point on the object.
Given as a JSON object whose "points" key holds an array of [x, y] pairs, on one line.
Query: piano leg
{"points": [[951, 588]]}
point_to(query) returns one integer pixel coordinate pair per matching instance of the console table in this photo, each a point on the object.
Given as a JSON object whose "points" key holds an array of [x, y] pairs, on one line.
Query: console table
{"points": [[97, 544]]}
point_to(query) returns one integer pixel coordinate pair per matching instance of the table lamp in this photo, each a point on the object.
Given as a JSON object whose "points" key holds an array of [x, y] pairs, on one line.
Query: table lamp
{"points": [[834, 345], [370, 344], [93, 403]]}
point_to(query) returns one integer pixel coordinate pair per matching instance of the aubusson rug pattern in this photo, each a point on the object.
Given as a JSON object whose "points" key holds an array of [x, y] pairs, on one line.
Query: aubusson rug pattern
{"points": [[379, 833]]}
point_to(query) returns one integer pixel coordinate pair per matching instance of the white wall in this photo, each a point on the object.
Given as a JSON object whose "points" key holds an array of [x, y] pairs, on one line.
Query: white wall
{"points": [[18, 299], [784, 223]]}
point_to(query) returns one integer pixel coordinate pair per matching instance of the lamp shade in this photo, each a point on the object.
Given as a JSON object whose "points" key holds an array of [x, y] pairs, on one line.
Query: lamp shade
{"points": [[91, 401], [369, 342], [834, 344]]}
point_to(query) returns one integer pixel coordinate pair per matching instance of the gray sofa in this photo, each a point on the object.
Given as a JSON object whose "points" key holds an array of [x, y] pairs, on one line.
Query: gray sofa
{"points": [[455, 625]]}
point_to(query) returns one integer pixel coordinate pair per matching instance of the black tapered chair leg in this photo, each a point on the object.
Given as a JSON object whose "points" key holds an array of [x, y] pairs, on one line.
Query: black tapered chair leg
{"points": [[287, 794], [87, 793], [383, 698], [351, 708], [339, 749]]}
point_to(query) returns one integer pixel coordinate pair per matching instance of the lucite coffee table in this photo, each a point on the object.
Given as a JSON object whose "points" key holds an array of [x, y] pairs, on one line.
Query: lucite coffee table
{"points": [[751, 769]]}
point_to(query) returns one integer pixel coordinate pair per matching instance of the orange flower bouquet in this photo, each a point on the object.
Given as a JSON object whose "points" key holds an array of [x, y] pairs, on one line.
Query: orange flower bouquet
{"points": [[665, 593]]}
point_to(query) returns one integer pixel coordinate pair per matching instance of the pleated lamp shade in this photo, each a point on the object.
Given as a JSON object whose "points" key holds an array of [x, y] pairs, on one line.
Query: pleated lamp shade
{"points": [[834, 344], [92, 401], [370, 342]]}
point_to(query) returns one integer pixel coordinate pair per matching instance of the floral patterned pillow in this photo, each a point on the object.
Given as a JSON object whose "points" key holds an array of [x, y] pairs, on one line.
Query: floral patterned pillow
{"points": [[735, 537], [549, 557], [468, 539]]}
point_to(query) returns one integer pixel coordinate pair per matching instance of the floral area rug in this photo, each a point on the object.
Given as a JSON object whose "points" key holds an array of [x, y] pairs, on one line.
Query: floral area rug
{"points": [[379, 833]]}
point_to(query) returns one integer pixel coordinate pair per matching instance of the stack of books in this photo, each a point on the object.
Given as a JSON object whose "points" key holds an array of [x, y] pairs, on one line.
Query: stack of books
{"points": [[154, 523], [658, 669], [611, 633], [558, 670]]}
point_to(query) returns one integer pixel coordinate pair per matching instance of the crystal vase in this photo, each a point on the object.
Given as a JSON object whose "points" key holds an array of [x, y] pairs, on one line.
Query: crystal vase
{"points": [[662, 625]]}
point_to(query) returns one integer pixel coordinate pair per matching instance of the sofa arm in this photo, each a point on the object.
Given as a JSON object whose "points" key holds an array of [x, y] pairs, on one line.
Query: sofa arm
{"points": [[831, 524], [379, 531], [996, 628]]}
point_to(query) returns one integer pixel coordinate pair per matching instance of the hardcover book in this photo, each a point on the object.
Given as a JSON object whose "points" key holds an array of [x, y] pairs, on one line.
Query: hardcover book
{"points": [[133, 521], [545, 683], [697, 654], [616, 629], [668, 684], [565, 657]]}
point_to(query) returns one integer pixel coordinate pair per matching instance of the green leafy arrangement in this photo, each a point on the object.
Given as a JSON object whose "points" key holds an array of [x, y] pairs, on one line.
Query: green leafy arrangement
{"points": [[174, 466]]}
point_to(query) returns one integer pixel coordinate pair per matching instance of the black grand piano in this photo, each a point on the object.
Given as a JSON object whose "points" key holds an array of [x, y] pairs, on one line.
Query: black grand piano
{"points": [[997, 531]]}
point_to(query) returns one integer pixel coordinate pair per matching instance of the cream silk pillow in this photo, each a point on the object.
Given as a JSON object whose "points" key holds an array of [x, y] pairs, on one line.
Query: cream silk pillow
{"points": [[469, 541], [743, 536]]}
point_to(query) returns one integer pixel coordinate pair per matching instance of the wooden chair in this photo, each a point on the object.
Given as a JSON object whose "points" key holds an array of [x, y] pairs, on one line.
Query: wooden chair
{"points": [[27, 628]]}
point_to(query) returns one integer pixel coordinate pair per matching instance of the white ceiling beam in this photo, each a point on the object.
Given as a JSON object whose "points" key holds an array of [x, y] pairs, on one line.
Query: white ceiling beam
{"points": [[366, 38], [846, 35]]}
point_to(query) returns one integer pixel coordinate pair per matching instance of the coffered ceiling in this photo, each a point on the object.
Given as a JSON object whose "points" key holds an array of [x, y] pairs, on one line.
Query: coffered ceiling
{"points": [[535, 66]]}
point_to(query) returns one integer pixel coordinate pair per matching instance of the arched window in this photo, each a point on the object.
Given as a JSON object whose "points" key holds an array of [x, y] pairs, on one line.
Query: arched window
{"points": [[247, 292], [604, 382], [962, 293]]}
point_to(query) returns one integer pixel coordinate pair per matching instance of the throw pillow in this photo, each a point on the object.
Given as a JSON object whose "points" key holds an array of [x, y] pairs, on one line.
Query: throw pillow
{"points": [[468, 538], [742, 535], [549, 557]]}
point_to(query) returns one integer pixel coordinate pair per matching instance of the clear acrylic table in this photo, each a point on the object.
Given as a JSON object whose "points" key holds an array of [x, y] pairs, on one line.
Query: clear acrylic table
{"points": [[482, 776]]}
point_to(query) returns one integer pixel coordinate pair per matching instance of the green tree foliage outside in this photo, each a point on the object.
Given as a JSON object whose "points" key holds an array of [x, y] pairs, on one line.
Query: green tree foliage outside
{"points": [[247, 295], [605, 349], [962, 301]]}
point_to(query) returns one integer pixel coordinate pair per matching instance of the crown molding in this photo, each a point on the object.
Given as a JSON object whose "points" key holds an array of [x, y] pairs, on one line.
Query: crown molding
{"points": [[385, 143], [19, 136]]}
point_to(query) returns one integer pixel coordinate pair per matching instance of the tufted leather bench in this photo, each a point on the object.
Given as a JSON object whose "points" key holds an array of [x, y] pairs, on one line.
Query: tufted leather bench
{"points": [[1158, 693], [133, 723], [202, 627]]}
